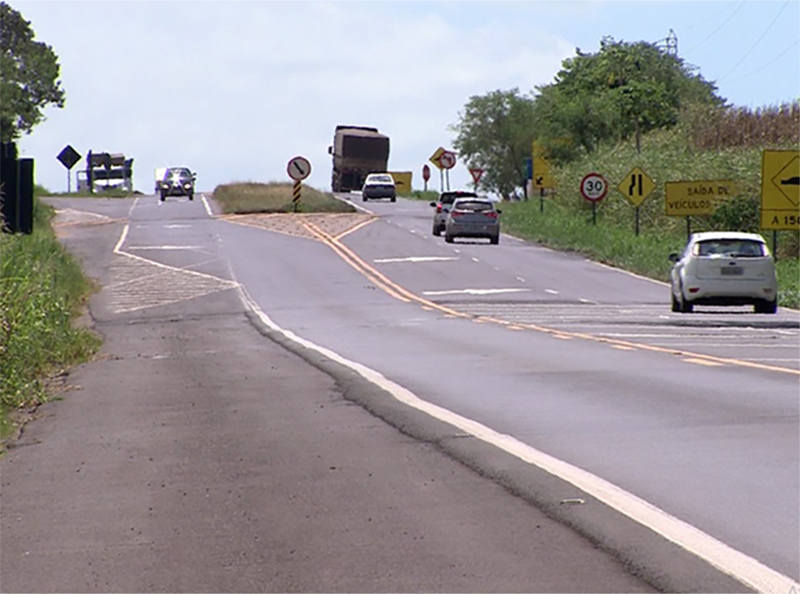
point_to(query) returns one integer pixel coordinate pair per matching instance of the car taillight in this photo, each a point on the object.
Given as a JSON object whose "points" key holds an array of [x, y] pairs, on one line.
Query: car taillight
{"points": [[491, 214], [457, 213], [439, 208]]}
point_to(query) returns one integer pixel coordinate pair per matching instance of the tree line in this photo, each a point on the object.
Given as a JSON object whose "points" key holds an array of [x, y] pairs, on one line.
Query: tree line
{"points": [[600, 99]]}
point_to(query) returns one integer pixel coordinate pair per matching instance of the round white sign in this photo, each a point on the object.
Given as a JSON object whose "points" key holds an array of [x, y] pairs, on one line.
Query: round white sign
{"points": [[298, 168], [447, 160], [594, 187]]}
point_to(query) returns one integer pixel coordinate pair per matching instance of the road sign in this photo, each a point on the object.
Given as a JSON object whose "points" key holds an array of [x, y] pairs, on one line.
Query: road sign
{"points": [[437, 154], [780, 190], [426, 172], [541, 174], [447, 160], [594, 187], [298, 168], [68, 157], [696, 197], [476, 174], [636, 186]]}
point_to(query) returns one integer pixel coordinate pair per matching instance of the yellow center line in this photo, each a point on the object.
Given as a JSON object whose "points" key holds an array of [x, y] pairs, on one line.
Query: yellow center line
{"points": [[401, 293]]}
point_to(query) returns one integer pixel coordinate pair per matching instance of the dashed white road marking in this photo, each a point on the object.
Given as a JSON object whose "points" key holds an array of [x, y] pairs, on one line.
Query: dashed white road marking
{"points": [[416, 259], [165, 247], [474, 292]]}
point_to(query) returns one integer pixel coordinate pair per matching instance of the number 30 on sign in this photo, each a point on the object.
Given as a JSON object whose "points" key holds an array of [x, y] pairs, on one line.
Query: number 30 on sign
{"points": [[594, 187]]}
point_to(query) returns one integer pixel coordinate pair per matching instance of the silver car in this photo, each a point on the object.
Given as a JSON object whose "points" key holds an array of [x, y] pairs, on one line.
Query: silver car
{"points": [[442, 206], [473, 217], [724, 268]]}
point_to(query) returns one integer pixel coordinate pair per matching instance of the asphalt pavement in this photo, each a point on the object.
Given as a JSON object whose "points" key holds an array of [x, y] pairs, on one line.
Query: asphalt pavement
{"points": [[199, 452]]}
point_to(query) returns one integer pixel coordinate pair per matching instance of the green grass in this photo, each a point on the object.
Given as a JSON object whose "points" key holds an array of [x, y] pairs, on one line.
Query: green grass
{"points": [[275, 197], [42, 292]]}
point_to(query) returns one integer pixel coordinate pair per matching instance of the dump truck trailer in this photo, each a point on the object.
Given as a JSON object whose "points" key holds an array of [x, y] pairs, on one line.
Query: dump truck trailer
{"points": [[357, 151]]}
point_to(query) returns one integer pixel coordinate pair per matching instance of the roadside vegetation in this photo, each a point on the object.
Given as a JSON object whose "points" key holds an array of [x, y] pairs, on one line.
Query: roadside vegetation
{"points": [[565, 220], [43, 292], [275, 197]]}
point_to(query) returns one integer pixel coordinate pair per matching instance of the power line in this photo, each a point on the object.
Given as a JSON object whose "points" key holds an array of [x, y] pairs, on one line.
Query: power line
{"points": [[772, 61], [775, 20], [715, 31]]}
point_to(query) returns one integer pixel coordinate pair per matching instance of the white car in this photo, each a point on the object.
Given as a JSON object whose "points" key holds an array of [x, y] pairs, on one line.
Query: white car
{"points": [[724, 268], [379, 185]]}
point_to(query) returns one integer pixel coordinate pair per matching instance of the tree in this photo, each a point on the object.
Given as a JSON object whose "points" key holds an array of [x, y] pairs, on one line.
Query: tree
{"points": [[623, 90], [29, 73], [495, 133]]}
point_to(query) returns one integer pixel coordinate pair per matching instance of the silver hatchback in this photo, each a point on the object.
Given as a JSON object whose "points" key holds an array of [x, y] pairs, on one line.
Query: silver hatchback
{"points": [[473, 217]]}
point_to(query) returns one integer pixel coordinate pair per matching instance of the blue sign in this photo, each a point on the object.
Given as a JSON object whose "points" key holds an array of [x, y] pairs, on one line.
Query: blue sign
{"points": [[528, 168]]}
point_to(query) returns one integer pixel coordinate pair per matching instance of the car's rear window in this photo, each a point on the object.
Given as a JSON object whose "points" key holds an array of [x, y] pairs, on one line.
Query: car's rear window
{"points": [[380, 179], [730, 247], [450, 197], [473, 205]]}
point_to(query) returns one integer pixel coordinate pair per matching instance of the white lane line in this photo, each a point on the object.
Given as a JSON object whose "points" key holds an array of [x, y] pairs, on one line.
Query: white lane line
{"points": [[474, 292], [166, 247], [551, 291], [744, 568], [206, 205], [416, 259]]}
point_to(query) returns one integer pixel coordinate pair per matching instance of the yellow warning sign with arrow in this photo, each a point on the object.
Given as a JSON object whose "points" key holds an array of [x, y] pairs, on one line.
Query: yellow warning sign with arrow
{"points": [[780, 190]]}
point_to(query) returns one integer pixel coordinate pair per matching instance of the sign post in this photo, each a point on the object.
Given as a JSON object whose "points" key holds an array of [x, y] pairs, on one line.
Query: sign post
{"points": [[448, 161], [68, 157], [636, 186], [594, 188], [298, 169]]}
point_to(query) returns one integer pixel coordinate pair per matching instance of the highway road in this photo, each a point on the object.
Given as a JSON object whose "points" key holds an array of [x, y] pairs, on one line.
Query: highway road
{"points": [[687, 424]]}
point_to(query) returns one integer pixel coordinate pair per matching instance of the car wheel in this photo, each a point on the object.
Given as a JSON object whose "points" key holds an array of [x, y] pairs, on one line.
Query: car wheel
{"points": [[765, 307], [394, 199], [676, 306], [436, 231], [364, 198], [494, 240], [191, 196], [686, 306], [163, 196], [448, 238]]}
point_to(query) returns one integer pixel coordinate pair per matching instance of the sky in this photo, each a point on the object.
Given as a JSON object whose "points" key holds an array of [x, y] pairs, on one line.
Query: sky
{"points": [[235, 89]]}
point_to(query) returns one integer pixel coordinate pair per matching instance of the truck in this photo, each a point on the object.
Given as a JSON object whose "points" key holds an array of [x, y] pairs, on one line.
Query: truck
{"points": [[357, 151]]}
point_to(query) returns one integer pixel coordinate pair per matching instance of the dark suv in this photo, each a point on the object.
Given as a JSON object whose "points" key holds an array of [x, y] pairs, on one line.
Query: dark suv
{"points": [[443, 205], [177, 181]]}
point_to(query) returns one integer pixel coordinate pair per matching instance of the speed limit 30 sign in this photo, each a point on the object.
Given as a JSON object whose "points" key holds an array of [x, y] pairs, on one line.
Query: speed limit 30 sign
{"points": [[594, 187]]}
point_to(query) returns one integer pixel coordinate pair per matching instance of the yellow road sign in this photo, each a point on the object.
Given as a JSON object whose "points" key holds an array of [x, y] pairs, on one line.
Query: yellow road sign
{"points": [[780, 190], [695, 197], [636, 186], [402, 182], [541, 174], [436, 156]]}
